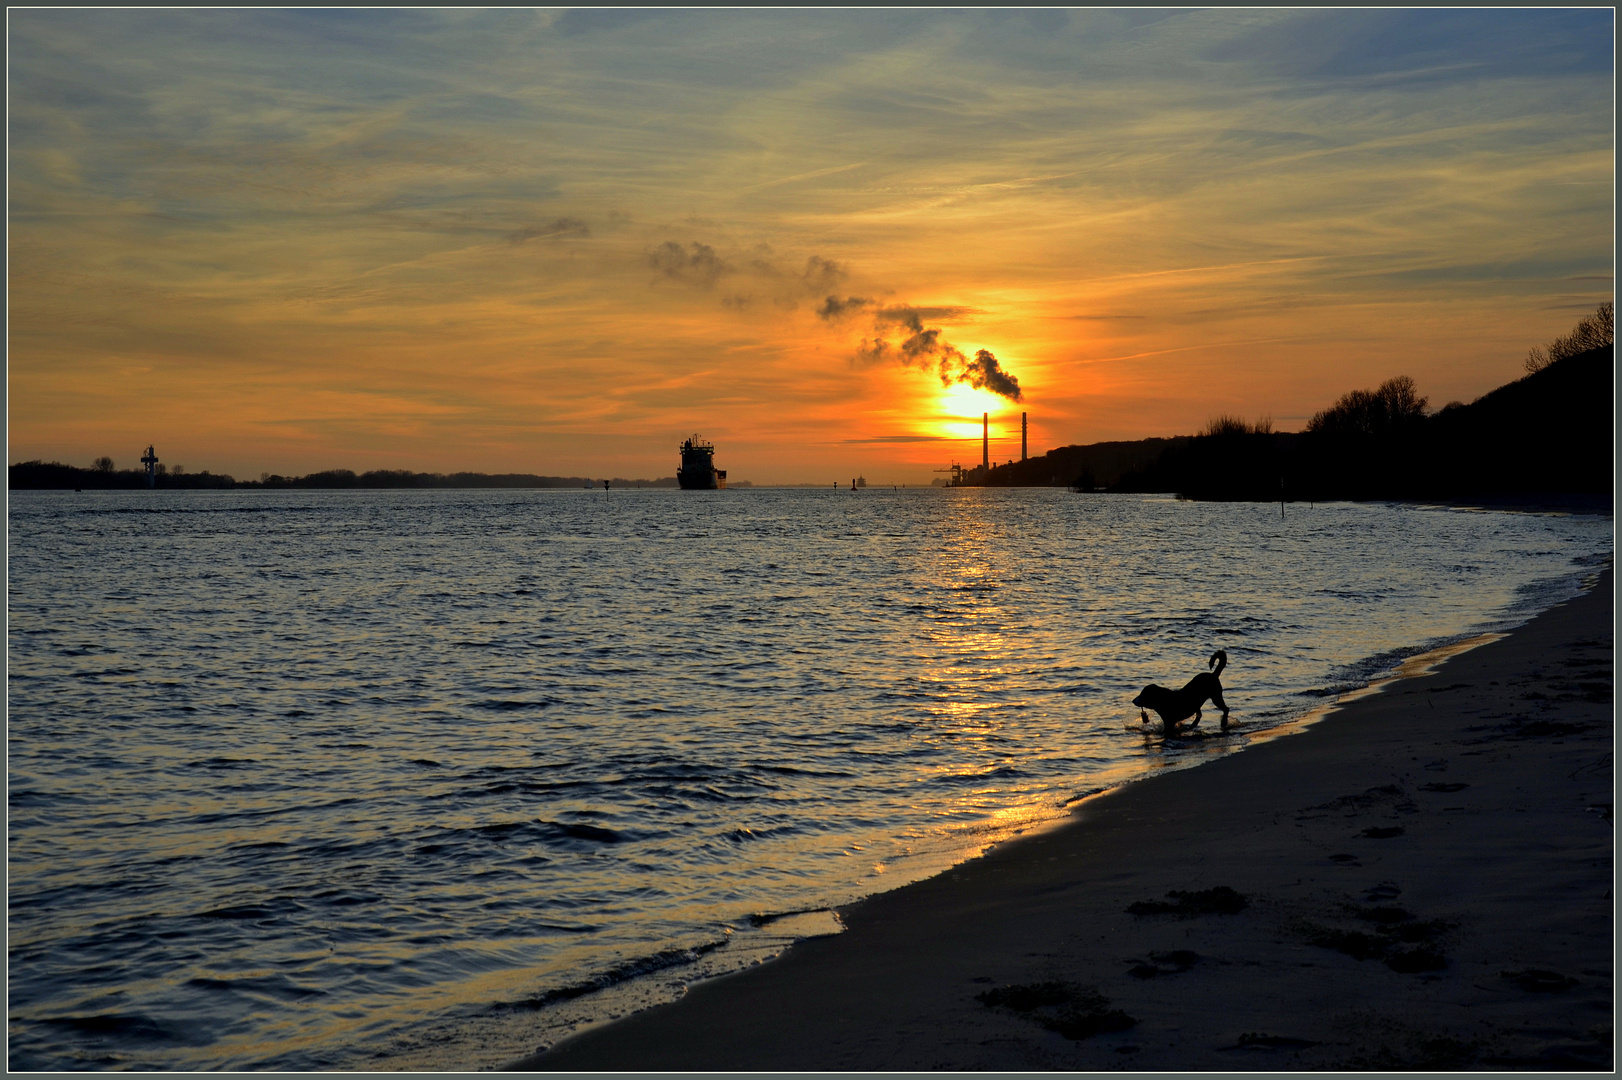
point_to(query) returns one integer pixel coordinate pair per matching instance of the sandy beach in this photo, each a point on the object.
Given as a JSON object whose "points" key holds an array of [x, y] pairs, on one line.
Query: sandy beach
{"points": [[1422, 880]]}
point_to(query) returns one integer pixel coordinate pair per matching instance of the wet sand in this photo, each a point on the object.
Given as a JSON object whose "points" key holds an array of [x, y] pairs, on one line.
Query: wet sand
{"points": [[1420, 881]]}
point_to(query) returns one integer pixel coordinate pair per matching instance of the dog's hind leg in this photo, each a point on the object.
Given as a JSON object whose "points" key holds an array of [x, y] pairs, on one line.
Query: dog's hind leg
{"points": [[1216, 699], [1197, 715]]}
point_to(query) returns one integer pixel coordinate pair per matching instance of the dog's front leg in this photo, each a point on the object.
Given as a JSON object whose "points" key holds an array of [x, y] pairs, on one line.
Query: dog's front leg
{"points": [[1196, 722]]}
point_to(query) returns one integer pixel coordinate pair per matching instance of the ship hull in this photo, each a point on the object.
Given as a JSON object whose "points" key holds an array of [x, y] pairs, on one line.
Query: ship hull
{"points": [[695, 480]]}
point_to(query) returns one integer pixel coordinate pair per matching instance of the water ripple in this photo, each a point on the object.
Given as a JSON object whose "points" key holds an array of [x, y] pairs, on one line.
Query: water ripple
{"points": [[311, 780]]}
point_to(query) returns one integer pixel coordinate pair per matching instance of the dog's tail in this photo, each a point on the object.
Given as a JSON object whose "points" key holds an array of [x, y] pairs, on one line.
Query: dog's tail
{"points": [[1220, 660]]}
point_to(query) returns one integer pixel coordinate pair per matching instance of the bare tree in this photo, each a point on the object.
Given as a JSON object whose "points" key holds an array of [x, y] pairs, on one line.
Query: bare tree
{"points": [[1591, 332], [103, 464], [1394, 404], [1400, 397], [1226, 425], [1236, 425]]}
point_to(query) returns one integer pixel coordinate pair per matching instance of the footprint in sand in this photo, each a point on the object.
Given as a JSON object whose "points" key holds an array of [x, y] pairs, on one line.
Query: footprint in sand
{"points": [[1219, 900], [1538, 981], [1174, 962]]}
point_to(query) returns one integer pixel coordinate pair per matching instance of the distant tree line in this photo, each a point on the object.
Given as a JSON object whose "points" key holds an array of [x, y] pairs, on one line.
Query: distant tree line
{"points": [[104, 475], [1548, 432], [401, 478], [1094, 466]]}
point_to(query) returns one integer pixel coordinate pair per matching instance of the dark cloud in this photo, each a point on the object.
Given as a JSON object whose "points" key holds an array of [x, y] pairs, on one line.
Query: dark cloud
{"points": [[833, 309], [564, 228], [915, 316], [695, 264]]}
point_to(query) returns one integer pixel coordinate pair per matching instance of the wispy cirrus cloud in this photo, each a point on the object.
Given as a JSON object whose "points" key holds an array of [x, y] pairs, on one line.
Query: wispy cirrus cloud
{"points": [[539, 216]]}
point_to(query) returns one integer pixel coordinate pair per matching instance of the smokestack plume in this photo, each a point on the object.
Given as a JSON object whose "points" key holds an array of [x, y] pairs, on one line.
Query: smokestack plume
{"points": [[985, 441], [922, 346]]}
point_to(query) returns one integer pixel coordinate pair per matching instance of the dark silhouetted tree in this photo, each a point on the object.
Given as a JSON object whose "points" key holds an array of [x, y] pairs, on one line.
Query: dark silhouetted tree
{"points": [[1372, 413], [1236, 425], [1591, 332]]}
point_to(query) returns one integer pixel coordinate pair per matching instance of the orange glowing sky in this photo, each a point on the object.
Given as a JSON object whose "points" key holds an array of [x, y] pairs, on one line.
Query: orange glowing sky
{"points": [[557, 242]]}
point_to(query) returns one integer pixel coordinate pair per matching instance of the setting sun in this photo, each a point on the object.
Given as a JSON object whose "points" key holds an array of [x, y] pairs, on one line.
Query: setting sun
{"points": [[960, 406], [419, 272]]}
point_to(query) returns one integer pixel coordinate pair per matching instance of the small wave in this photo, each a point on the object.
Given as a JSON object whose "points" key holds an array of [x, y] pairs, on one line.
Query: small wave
{"points": [[22, 797], [632, 969], [275, 986], [513, 704], [130, 1028], [999, 772], [543, 830], [744, 835], [758, 919], [594, 833], [789, 770], [244, 911]]}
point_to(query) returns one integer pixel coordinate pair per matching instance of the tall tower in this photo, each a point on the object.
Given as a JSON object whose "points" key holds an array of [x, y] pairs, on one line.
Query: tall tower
{"points": [[150, 460], [1024, 432], [985, 441]]}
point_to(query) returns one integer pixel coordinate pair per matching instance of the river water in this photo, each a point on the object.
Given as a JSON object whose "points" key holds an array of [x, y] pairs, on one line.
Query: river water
{"points": [[310, 780]]}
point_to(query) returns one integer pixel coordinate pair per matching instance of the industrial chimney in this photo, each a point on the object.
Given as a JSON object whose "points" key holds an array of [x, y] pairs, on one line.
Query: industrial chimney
{"points": [[1024, 430], [985, 441]]}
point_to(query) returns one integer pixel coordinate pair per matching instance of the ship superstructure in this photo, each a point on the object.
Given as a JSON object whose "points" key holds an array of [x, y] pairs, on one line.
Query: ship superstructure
{"points": [[698, 471]]}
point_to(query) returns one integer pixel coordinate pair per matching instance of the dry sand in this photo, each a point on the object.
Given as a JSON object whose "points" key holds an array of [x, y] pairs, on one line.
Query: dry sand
{"points": [[1426, 882]]}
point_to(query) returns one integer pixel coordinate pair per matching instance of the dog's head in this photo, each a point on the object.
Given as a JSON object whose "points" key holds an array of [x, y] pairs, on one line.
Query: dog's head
{"points": [[1150, 694]]}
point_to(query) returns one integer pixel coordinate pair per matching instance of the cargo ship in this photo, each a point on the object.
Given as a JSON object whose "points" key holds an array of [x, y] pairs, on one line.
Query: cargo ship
{"points": [[698, 471]]}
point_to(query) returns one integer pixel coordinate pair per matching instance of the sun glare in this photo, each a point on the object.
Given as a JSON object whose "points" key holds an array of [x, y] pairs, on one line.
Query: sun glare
{"points": [[960, 406]]}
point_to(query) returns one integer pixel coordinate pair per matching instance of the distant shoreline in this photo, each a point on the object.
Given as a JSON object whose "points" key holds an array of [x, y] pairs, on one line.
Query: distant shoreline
{"points": [[1539, 502], [55, 476]]}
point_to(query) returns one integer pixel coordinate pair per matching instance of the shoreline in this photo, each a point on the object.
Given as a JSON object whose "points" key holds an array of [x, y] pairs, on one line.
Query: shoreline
{"points": [[1495, 949]]}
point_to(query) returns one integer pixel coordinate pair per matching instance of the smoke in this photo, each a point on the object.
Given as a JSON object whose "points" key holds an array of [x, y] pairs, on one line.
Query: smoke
{"points": [[923, 347], [821, 274], [873, 352], [564, 228], [696, 264], [985, 373], [833, 309]]}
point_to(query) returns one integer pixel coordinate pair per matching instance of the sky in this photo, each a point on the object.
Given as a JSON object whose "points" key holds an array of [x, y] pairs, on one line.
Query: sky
{"points": [[560, 241]]}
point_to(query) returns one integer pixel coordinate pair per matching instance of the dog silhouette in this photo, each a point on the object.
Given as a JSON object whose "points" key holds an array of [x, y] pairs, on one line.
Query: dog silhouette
{"points": [[1175, 706]]}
